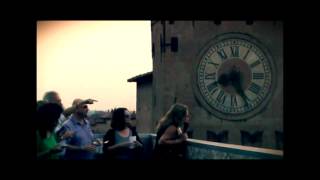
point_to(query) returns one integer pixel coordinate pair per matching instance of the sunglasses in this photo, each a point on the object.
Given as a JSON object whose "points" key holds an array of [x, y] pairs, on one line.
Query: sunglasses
{"points": [[85, 107]]}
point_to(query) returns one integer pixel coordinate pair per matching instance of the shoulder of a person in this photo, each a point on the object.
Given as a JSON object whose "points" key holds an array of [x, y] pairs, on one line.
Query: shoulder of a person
{"points": [[110, 135], [62, 116], [68, 124], [171, 128], [110, 132]]}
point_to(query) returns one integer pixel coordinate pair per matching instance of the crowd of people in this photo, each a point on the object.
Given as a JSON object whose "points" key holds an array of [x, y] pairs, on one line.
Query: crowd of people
{"points": [[65, 133]]}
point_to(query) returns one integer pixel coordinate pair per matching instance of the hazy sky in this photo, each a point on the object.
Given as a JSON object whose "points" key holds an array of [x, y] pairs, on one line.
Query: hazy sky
{"points": [[93, 59]]}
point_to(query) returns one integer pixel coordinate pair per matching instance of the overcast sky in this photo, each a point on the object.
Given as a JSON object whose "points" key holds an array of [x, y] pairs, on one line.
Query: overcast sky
{"points": [[93, 59]]}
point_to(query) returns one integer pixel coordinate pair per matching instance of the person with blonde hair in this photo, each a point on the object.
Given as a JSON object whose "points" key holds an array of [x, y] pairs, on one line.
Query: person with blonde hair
{"points": [[171, 133]]}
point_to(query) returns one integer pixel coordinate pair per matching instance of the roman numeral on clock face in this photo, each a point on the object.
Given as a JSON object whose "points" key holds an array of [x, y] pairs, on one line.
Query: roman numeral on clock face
{"points": [[221, 97], [254, 88], [234, 102], [256, 63], [215, 64], [212, 86], [234, 51], [222, 54], [246, 55], [257, 75], [210, 76]]}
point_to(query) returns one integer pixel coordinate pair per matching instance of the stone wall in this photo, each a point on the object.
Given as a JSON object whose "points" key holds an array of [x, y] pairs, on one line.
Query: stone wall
{"points": [[172, 76], [144, 107]]}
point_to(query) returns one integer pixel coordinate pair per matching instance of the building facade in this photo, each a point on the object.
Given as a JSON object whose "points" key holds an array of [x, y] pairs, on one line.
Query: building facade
{"points": [[229, 73]]}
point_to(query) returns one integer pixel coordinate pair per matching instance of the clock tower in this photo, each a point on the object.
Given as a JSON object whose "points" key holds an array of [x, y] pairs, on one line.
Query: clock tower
{"points": [[229, 73]]}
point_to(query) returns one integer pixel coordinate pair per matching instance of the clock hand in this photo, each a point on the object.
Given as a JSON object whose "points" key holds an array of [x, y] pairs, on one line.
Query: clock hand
{"points": [[235, 77], [240, 91], [244, 97]]}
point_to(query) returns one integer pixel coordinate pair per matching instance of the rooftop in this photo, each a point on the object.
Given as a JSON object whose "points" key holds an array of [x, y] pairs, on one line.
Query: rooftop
{"points": [[146, 77]]}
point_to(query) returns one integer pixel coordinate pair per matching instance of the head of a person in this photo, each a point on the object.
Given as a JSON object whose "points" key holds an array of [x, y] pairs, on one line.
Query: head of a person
{"points": [[40, 103], [76, 102], [81, 109], [120, 119], [47, 117], [52, 97], [177, 115]]}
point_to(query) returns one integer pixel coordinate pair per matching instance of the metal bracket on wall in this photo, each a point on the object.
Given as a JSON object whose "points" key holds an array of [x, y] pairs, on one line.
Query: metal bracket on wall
{"points": [[173, 44], [163, 44]]}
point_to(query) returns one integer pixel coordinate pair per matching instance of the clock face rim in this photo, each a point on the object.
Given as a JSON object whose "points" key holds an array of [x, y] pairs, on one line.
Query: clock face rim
{"points": [[262, 104]]}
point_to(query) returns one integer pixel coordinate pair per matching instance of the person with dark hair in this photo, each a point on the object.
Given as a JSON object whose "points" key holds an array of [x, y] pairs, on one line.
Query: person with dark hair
{"points": [[121, 141], [40, 103], [46, 119], [171, 133]]}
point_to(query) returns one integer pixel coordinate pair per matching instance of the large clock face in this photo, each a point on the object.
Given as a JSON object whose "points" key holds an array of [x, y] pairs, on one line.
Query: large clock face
{"points": [[234, 76]]}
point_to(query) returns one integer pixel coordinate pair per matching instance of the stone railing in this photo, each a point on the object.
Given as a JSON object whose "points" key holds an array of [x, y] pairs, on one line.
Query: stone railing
{"points": [[199, 149], [206, 150]]}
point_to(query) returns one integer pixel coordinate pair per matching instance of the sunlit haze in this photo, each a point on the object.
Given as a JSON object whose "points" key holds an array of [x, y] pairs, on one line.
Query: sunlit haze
{"points": [[93, 59]]}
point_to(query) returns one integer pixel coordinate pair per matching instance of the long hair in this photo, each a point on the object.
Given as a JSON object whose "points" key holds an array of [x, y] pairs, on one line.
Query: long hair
{"points": [[118, 121], [174, 116], [47, 118]]}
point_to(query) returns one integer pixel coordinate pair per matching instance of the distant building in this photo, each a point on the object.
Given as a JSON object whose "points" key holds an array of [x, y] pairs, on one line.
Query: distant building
{"points": [[143, 115]]}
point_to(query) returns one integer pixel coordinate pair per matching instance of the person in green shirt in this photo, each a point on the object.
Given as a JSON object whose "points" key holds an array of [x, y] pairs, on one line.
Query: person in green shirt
{"points": [[47, 118]]}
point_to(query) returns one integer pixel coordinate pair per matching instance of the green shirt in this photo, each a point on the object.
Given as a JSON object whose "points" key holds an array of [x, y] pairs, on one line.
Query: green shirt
{"points": [[46, 144]]}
